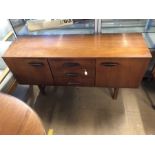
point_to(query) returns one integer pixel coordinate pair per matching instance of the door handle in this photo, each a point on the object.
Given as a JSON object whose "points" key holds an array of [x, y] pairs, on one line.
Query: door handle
{"points": [[72, 74], [71, 64], [73, 83], [109, 64], [36, 64]]}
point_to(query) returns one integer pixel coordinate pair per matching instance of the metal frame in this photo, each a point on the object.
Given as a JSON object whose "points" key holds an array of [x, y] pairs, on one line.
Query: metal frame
{"points": [[99, 26], [96, 24]]}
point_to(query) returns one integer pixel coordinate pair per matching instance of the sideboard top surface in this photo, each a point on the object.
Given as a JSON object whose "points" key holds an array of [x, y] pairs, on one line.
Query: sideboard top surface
{"points": [[80, 46]]}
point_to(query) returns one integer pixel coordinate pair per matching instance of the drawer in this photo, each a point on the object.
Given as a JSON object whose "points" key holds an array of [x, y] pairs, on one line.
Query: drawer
{"points": [[121, 72], [30, 71], [60, 67], [74, 81]]}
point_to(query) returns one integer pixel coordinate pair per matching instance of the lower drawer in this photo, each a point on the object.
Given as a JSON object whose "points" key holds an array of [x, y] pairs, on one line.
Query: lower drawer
{"points": [[78, 81]]}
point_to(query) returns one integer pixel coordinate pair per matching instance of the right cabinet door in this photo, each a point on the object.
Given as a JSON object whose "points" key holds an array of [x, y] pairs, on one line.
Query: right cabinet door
{"points": [[120, 72]]}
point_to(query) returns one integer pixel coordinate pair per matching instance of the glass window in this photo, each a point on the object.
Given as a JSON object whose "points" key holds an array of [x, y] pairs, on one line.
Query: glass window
{"points": [[53, 26], [150, 26], [123, 25], [149, 33], [6, 32], [6, 37], [144, 26]]}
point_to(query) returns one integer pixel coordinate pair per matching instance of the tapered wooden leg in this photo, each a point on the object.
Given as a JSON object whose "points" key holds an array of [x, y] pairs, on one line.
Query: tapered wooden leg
{"points": [[115, 93], [42, 89]]}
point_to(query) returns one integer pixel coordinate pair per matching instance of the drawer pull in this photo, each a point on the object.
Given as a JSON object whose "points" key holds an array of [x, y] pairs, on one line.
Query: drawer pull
{"points": [[71, 64], [73, 83], [109, 64], [36, 64], [72, 74]]}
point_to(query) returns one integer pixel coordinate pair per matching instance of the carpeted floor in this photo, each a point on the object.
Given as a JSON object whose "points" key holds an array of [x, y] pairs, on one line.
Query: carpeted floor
{"points": [[85, 110]]}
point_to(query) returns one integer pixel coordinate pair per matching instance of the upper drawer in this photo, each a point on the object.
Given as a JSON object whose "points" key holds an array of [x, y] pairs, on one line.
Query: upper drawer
{"points": [[30, 70], [84, 67]]}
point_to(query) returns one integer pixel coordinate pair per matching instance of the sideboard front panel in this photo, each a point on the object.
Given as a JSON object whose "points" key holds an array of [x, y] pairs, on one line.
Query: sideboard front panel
{"points": [[117, 72], [30, 70], [73, 71]]}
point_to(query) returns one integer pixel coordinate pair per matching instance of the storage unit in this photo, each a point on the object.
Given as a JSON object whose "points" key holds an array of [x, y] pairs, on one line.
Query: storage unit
{"points": [[113, 60]]}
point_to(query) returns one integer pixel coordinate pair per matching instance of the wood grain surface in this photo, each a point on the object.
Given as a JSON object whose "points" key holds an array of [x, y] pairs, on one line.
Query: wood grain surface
{"points": [[81, 46], [16, 118], [32, 71], [120, 73], [153, 73]]}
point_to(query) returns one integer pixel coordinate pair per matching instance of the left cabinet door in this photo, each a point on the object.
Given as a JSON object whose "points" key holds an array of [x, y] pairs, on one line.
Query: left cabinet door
{"points": [[30, 70]]}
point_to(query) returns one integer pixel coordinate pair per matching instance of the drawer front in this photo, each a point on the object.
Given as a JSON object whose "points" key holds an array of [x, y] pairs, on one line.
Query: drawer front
{"points": [[127, 72], [82, 67], [78, 81], [30, 71], [73, 71]]}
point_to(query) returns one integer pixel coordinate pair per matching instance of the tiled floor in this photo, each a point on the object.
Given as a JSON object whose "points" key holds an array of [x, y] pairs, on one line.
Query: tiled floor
{"points": [[84, 110]]}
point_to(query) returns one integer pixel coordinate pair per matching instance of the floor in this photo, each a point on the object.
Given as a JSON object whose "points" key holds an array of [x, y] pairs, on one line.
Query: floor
{"points": [[85, 110]]}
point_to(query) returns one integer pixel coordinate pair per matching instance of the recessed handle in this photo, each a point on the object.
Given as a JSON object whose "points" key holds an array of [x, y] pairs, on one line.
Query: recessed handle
{"points": [[73, 83], [72, 74], [110, 64], [71, 64], [36, 64]]}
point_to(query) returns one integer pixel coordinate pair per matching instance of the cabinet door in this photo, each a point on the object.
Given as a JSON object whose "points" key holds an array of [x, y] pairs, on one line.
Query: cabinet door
{"points": [[122, 72], [30, 71], [153, 72]]}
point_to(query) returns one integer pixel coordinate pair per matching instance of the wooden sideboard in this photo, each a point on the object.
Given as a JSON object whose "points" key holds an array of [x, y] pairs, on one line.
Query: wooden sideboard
{"points": [[110, 60]]}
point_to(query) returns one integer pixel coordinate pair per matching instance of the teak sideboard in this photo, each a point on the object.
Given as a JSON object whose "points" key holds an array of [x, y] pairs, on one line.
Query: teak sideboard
{"points": [[110, 60]]}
